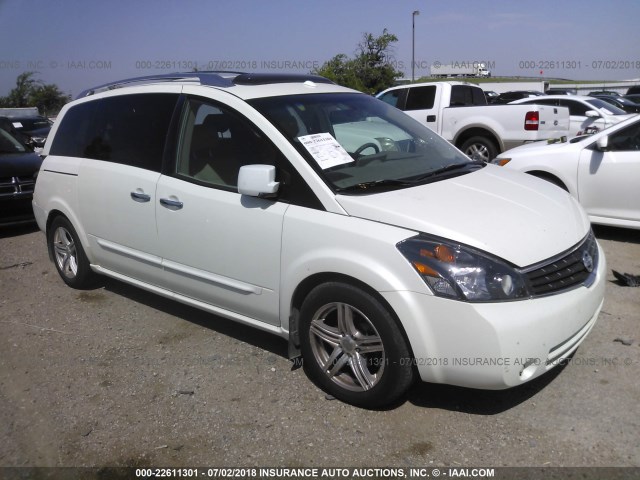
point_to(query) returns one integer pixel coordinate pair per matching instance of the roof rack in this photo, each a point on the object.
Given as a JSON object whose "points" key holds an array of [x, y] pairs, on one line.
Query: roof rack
{"points": [[214, 79], [211, 78], [266, 78]]}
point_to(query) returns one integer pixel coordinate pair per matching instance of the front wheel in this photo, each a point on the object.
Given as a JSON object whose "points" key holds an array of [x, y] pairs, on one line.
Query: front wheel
{"points": [[479, 148], [352, 347], [68, 255]]}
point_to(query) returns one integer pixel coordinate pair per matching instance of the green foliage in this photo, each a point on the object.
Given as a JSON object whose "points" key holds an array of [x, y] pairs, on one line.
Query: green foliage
{"points": [[30, 92], [370, 71]]}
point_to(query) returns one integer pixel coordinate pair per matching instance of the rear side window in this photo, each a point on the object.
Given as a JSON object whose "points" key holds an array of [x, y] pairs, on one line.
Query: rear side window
{"points": [[421, 98], [129, 129], [464, 95]]}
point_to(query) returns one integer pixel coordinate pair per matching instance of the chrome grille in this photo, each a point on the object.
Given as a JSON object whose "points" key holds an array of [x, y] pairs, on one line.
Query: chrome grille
{"points": [[567, 271], [17, 186]]}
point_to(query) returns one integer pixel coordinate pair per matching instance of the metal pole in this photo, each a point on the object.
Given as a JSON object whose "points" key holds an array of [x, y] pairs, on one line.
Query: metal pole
{"points": [[413, 44]]}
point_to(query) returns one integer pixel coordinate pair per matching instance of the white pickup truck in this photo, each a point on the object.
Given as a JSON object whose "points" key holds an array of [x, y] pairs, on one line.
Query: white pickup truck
{"points": [[459, 112]]}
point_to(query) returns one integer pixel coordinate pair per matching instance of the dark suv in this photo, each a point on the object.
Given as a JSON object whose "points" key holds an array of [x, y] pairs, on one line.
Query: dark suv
{"points": [[18, 165], [34, 130]]}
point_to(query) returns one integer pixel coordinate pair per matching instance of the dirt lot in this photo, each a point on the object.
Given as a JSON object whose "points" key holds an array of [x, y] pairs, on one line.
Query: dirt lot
{"points": [[118, 376]]}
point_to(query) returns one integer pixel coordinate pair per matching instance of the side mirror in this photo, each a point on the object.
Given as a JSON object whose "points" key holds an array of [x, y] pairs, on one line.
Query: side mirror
{"points": [[592, 114], [258, 181], [603, 143]]}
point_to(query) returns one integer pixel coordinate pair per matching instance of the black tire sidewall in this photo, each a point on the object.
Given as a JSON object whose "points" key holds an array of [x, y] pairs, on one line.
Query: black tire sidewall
{"points": [[397, 375]]}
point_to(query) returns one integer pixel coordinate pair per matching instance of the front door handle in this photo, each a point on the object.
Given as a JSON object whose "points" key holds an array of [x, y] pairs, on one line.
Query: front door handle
{"points": [[171, 204], [140, 196]]}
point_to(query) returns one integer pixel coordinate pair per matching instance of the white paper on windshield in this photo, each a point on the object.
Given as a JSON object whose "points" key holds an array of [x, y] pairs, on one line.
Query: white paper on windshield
{"points": [[17, 125], [325, 150]]}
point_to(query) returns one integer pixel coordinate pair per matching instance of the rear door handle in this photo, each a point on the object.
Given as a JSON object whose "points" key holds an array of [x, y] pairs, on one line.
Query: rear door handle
{"points": [[140, 196], [171, 204]]}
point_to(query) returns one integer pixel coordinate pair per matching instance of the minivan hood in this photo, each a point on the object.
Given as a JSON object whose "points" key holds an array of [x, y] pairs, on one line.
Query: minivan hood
{"points": [[515, 216]]}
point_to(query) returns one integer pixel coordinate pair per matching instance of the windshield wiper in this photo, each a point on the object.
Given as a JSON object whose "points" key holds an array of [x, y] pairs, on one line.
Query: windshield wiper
{"points": [[447, 168], [374, 184]]}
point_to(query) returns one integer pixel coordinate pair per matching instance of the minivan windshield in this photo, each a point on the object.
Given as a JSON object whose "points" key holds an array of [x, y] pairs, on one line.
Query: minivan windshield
{"points": [[358, 143]]}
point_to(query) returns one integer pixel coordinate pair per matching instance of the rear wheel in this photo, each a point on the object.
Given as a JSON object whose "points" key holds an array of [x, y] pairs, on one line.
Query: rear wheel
{"points": [[68, 255], [352, 347], [479, 148]]}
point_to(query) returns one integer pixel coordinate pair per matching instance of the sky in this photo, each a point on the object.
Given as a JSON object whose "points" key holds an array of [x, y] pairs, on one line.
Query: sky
{"points": [[77, 44]]}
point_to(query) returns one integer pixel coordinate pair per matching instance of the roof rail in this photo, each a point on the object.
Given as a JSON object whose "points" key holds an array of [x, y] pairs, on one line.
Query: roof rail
{"points": [[266, 78], [211, 78], [215, 79]]}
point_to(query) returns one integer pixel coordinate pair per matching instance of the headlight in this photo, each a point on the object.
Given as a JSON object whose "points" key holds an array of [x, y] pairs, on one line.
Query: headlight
{"points": [[460, 272]]}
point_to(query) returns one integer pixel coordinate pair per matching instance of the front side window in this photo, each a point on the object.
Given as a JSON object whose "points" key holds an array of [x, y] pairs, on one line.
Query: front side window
{"points": [[626, 140], [215, 142], [392, 97], [357, 143]]}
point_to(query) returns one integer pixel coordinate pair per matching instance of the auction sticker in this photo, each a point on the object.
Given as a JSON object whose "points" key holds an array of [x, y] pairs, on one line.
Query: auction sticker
{"points": [[325, 150]]}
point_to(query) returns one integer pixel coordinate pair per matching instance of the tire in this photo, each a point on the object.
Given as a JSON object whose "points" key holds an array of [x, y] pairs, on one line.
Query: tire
{"points": [[352, 347], [479, 148], [68, 255]]}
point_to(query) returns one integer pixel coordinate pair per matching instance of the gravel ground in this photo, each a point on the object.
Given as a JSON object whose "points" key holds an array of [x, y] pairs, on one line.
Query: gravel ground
{"points": [[117, 376]]}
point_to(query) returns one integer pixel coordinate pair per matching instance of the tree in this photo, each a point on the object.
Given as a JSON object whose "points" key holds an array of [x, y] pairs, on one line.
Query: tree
{"points": [[48, 98], [370, 71], [30, 92]]}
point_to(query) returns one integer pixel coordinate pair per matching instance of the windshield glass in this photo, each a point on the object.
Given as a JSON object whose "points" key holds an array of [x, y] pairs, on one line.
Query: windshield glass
{"points": [[9, 144], [607, 107], [31, 123], [356, 142]]}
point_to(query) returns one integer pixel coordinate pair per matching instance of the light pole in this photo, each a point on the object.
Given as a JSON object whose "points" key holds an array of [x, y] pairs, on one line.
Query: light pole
{"points": [[413, 44]]}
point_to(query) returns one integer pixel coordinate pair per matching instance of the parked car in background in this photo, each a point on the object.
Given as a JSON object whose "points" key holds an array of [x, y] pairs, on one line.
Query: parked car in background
{"points": [[324, 216], [562, 91], [18, 166], [602, 171], [633, 90], [609, 93], [490, 95], [34, 130], [508, 97], [587, 114], [459, 112], [620, 102], [634, 97]]}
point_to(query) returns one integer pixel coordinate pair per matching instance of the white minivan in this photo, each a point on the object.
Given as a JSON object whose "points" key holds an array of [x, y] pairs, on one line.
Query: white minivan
{"points": [[327, 217]]}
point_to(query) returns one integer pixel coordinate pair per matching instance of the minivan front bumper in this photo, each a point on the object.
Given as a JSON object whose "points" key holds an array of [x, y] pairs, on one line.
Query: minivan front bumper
{"points": [[496, 345]]}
